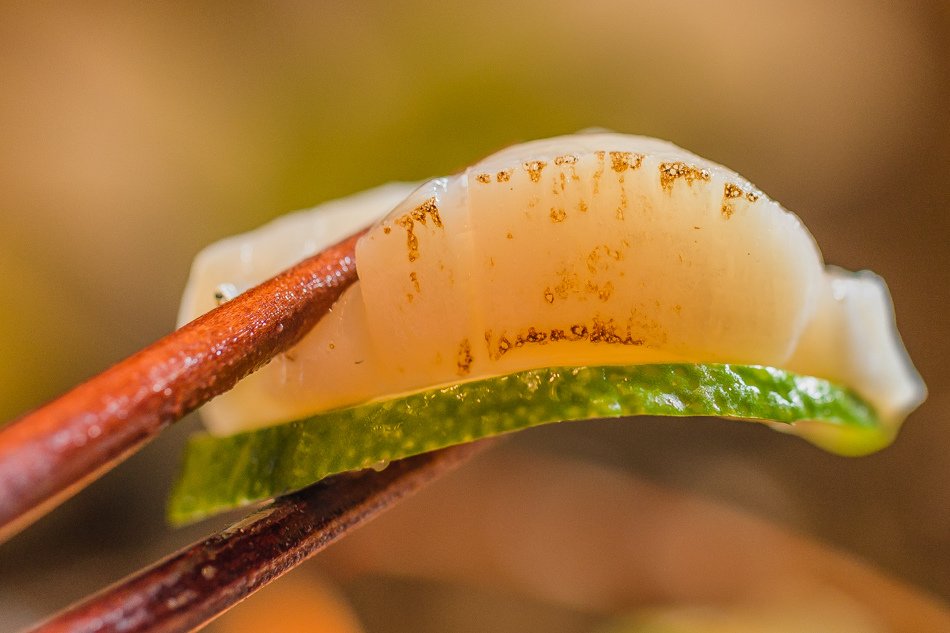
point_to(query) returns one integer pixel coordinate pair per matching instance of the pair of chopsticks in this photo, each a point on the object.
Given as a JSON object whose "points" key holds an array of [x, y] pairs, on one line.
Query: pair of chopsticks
{"points": [[48, 455]]}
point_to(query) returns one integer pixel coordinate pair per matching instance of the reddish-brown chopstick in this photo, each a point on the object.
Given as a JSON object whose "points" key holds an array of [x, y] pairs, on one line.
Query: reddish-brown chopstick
{"points": [[200, 582], [52, 452]]}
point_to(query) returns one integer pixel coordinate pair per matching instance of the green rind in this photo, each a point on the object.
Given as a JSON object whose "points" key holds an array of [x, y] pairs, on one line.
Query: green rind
{"points": [[222, 473]]}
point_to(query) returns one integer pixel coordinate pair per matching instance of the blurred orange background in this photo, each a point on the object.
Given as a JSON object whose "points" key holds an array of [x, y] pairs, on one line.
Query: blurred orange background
{"points": [[131, 136]]}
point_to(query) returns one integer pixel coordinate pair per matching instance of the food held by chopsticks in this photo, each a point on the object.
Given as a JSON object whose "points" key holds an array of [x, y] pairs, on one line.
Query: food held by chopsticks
{"points": [[585, 276]]}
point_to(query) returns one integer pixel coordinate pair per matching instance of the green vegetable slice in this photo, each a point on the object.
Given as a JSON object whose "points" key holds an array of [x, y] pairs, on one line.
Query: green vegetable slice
{"points": [[222, 473]]}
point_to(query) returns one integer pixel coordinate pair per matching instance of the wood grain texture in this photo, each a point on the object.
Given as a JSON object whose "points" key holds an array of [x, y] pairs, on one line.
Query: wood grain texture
{"points": [[49, 454], [191, 587]]}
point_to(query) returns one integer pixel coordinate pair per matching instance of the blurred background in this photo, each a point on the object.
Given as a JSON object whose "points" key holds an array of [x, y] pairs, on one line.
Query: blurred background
{"points": [[131, 136]]}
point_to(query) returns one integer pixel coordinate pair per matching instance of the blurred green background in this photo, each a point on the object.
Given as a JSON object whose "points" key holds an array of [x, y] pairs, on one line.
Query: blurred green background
{"points": [[133, 135]]}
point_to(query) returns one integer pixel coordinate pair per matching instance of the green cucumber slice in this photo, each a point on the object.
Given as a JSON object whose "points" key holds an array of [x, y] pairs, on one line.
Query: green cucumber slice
{"points": [[222, 473]]}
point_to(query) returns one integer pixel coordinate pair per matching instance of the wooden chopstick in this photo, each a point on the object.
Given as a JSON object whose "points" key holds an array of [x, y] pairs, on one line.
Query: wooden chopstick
{"points": [[49, 454], [200, 582]]}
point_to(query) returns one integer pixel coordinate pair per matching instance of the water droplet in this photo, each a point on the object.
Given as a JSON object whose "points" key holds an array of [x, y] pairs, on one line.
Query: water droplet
{"points": [[79, 438], [61, 439], [180, 600], [380, 465], [208, 572]]}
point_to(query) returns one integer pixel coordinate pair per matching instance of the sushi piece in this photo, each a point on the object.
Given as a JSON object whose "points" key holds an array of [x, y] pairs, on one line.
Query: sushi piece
{"points": [[573, 277]]}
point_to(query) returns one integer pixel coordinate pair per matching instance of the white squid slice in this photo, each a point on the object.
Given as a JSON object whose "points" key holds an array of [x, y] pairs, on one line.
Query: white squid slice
{"points": [[589, 249]]}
